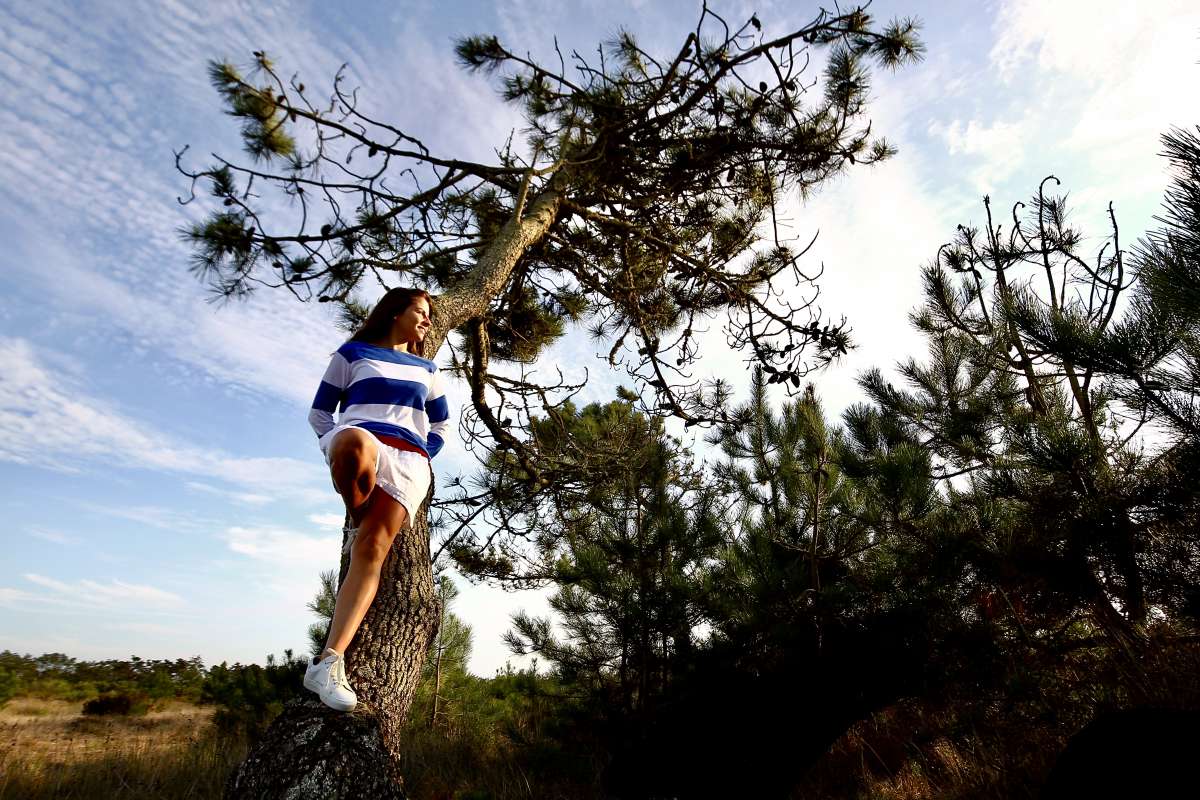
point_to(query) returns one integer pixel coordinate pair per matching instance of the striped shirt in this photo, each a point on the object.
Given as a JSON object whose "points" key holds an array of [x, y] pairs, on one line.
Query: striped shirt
{"points": [[384, 391]]}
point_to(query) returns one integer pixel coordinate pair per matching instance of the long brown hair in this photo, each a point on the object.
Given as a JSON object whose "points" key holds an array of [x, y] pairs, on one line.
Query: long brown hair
{"points": [[379, 322]]}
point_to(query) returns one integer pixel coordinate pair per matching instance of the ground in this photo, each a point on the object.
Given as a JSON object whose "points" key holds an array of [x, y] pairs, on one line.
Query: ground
{"points": [[48, 748]]}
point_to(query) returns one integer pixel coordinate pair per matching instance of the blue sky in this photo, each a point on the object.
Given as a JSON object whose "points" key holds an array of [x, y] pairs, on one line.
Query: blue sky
{"points": [[162, 492]]}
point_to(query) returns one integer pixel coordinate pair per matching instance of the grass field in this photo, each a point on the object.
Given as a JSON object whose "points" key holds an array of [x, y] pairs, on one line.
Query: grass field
{"points": [[48, 749]]}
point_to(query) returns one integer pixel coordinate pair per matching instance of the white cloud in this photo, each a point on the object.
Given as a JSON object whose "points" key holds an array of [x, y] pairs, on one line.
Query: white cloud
{"points": [[42, 412], [1090, 40], [15, 598], [334, 521], [245, 498], [89, 159], [154, 629], [171, 519], [1107, 79], [57, 537], [997, 150], [282, 546], [116, 592]]}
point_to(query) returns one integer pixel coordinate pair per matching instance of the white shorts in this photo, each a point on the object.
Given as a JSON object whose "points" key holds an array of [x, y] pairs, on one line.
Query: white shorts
{"points": [[403, 474]]}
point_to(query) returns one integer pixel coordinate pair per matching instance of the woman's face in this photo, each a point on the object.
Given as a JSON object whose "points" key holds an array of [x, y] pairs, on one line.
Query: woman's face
{"points": [[413, 324]]}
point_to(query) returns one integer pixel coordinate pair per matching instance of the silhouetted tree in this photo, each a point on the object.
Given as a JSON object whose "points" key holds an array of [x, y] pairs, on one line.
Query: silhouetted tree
{"points": [[1021, 395], [629, 560], [795, 510], [1151, 360]]}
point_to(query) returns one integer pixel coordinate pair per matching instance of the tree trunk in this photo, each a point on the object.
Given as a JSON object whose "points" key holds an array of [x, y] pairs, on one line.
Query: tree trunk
{"points": [[312, 751], [437, 685]]}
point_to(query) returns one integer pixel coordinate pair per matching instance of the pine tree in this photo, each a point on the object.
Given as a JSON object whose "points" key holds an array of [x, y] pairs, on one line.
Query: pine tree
{"points": [[1152, 358], [796, 512], [451, 647], [1015, 403], [1154, 353], [322, 605], [631, 558], [832, 598], [634, 206]]}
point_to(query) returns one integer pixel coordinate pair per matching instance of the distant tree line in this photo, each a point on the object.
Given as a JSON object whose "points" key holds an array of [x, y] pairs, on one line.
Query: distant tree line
{"points": [[60, 677]]}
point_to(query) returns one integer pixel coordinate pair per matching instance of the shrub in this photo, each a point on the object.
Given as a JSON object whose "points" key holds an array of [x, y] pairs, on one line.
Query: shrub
{"points": [[249, 697], [117, 703]]}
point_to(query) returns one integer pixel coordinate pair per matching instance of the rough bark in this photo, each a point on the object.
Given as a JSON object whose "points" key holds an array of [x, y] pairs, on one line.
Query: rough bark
{"points": [[311, 751], [471, 297], [384, 661]]}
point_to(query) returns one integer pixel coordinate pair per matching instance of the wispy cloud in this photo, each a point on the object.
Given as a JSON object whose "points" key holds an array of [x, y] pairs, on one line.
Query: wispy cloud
{"points": [[245, 498], [996, 150], [42, 411], [154, 629], [90, 184], [113, 593], [334, 521], [57, 537], [276, 545], [87, 162], [1107, 77], [170, 519], [15, 598]]}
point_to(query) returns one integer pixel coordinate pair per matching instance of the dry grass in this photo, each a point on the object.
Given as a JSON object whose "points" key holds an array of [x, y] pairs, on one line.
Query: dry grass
{"points": [[921, 750], [48, 749], [905, 753], [437, 766]]}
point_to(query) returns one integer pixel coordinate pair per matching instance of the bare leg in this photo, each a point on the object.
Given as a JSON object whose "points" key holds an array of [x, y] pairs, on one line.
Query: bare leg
{"points": [[352, 457], [383, 519]]}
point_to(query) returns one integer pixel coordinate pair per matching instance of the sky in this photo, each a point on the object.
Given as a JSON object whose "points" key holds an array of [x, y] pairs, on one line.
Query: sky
{"points": [[161, 493]]}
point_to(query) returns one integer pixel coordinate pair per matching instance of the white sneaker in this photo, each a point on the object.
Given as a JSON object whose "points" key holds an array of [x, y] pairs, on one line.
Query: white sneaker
{"points": [[327, 678]]}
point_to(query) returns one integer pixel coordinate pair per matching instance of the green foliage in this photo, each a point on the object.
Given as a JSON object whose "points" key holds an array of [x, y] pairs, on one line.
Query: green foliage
{"points": [[323, 605], [1033, 388], [55, 676], [9, 684], [264, 119], [522, 327], [444, 674], [632, 551], [248, 697], [1154, 353], [512, 735], [451, 649]]}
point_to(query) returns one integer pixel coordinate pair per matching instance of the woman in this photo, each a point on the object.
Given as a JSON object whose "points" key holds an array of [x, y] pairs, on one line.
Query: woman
{"points": [[394, 414]]}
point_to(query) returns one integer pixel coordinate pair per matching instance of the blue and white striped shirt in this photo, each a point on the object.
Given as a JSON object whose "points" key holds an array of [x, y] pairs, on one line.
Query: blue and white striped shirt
{"points": [[383, 391]]}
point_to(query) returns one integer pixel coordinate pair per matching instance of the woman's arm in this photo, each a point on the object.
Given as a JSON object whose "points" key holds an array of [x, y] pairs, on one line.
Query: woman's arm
{"points": [[438, 411], [329, 394]]}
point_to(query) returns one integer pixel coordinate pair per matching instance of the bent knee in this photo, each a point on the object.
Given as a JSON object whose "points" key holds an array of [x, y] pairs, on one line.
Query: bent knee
{"points": [[372, 547], [352, 450]]}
